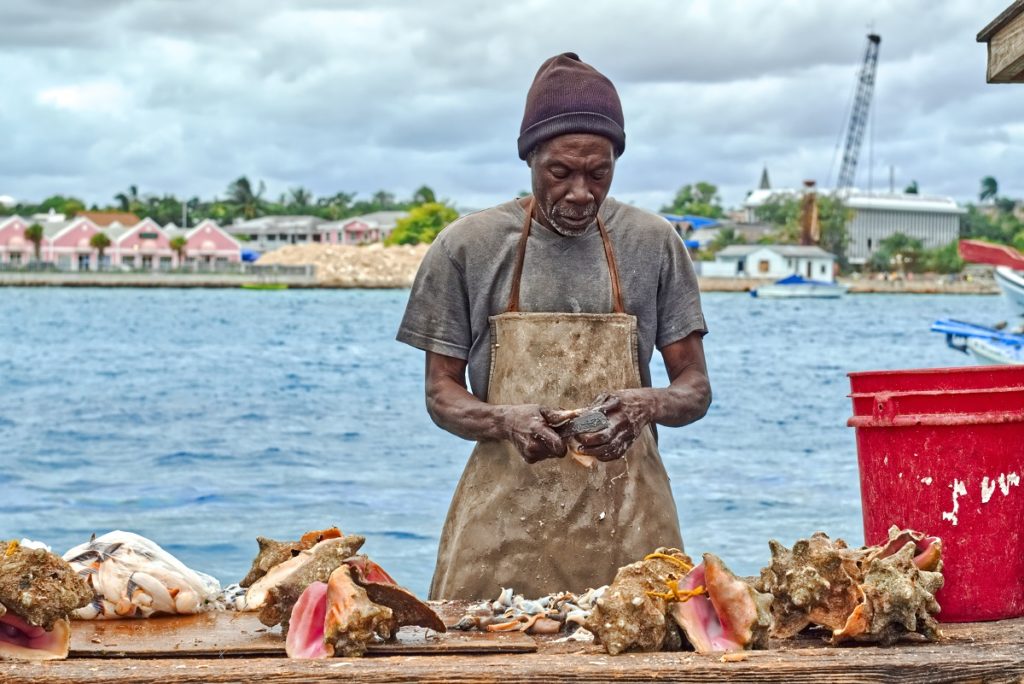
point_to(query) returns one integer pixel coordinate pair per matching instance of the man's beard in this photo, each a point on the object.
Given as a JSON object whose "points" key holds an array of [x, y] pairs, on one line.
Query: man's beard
{"points": [[555, 215]]}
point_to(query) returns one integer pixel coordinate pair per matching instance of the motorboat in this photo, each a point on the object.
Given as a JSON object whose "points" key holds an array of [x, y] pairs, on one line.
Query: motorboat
{"points": [[987, 345], [797, 286], [1011, 282], [1009, 268]]}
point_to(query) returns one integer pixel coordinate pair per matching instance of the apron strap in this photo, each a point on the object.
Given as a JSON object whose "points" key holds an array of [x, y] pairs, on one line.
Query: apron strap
{"points": [[517, 274]]}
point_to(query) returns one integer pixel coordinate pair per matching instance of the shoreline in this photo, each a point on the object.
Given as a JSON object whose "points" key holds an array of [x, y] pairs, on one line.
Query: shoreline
{"points": [[392, 281]]}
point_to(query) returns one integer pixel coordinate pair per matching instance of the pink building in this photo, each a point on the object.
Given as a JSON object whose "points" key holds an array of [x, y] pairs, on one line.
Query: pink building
{"points": [[69, 246], [144, 246], [209, 244], [14, 248]]}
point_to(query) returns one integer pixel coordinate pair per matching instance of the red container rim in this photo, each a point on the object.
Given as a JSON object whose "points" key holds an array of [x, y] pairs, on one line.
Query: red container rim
{"points": [[937, 379]]}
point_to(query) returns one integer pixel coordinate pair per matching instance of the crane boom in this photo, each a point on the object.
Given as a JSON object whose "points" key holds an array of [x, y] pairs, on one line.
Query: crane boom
{"points": [[859, 113]]}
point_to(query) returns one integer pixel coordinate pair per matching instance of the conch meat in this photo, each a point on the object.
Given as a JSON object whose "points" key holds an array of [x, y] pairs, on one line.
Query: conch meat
{"points": [[876, 593], [37, 592], [578, 422], [131, 576]]}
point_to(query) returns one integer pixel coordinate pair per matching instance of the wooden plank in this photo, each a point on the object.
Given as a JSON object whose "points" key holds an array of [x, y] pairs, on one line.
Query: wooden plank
{"points": [[233, 635], [1006, 52], [990, 652]]}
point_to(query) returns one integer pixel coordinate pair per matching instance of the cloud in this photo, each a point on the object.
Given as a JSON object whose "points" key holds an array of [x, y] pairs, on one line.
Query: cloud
{"points": [[184, 96]]}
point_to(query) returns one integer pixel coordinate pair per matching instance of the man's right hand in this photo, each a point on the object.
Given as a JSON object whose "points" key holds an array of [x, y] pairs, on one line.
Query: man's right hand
{"points": [[525, 425]]}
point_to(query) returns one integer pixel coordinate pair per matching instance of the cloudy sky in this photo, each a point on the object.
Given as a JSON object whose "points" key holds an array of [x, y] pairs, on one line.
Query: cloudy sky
{"points": [[184, 96]]}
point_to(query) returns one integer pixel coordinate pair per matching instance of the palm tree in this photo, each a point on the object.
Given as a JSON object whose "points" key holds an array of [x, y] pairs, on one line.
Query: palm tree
{"points": [[178, 245], [241, 194], [989, 189], [383, 200], [424, 195], [300, 197], [911, 189], [34, 234], [129, 201], [99, 242]]}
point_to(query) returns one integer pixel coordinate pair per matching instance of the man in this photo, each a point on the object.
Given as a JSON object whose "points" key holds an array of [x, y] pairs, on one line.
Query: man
{"points": [[555, 302]]}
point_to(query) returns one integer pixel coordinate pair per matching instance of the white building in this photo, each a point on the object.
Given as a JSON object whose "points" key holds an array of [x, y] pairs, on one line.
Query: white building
{"points": [[935, 221], [771, 261]]}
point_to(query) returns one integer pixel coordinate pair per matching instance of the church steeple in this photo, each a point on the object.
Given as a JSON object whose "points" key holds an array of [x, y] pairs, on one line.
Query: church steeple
{"points": [[765, 184]]}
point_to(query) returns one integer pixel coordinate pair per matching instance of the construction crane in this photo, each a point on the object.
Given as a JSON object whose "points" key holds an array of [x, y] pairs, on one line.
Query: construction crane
{"points": [[859, 113]]}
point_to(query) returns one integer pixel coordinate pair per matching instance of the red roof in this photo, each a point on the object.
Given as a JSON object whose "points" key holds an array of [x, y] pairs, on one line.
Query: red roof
{"points": [[105, 218]]}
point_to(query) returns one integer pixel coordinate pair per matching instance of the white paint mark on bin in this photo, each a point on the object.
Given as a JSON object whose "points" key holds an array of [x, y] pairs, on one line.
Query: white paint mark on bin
{"points": [[987, 489], [959, 489], [1007, 480], [927, 480]]}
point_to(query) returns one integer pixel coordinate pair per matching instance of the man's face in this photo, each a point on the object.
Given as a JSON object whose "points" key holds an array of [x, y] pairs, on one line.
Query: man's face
{"points": [[571, 177]]}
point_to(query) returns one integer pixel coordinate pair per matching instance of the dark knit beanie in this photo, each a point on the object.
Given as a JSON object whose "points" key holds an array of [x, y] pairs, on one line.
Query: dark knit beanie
{"points": [[569, 96]]}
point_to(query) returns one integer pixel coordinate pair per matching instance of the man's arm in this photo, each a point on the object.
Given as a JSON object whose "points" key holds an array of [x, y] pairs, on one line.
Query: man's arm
{"points": [[684, 401], [453, 408]]}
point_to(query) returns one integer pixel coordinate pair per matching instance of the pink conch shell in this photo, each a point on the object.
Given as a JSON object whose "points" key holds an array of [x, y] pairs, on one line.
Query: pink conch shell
{"points": [[928, 550], [352, 620], [21, 641], [730, 616], [306, 631]]}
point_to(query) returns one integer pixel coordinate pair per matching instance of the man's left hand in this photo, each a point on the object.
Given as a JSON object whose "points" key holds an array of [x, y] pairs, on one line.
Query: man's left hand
{"points": [[628, 412]]}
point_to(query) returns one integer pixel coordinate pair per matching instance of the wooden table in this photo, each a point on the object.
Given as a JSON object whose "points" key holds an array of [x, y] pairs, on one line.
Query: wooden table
{"points": [[991, 652]]}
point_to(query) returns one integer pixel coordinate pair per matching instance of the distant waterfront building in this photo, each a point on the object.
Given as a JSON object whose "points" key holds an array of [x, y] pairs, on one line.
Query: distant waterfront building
{"points": [[360, 230], [142, 246], [270, 232], [771, 261], [935, 221]]}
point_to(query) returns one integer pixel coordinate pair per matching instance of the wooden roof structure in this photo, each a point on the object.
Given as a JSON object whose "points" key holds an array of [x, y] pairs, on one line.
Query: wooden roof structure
{"points": [[1005, 38]]}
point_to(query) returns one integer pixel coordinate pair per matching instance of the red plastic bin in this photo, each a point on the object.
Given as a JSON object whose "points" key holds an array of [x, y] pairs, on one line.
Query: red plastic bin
{"points": [[942, 451]]}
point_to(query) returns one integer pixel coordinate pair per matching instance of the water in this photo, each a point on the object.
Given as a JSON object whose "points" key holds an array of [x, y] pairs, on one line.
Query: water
{"points": [[202, 418]]}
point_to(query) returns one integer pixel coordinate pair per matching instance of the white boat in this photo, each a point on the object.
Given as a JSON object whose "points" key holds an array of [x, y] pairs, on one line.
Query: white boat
{"points": [[986, 345], [797, 286], [1011, 282], [995, 353]]}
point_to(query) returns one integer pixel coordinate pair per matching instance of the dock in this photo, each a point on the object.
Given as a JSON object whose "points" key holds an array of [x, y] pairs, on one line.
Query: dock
{"points": [[989, 652]]}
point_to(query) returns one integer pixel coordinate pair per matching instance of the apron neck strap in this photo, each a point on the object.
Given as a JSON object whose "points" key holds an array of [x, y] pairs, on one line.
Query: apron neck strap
{"points": [[517, 274]]}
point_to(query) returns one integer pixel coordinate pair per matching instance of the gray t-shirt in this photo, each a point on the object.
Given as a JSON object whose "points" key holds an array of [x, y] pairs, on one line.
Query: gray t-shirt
{"points": [[467, 274]]}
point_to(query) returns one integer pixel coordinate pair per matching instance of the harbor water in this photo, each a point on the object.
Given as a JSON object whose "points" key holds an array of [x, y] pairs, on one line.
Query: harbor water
{"points": [[203, 418]]}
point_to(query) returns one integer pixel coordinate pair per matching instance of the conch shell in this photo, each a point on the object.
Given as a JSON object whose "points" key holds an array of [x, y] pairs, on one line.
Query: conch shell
{"points": [[876, 593], [38, 590], [578, 422], [730, 615]]}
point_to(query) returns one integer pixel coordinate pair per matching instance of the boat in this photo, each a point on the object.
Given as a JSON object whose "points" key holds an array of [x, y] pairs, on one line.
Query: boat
{"points": [[1009, 268], [798, 286], [1011, 282], [265, 286], [990, 346]]}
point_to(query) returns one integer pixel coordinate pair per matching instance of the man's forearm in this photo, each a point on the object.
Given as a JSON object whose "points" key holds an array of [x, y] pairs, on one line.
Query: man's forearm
{"points": [[455, 409], [683, 402]]}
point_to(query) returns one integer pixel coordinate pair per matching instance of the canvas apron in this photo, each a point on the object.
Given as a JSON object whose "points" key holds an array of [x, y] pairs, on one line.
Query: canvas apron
{"points": [[555, 525]]}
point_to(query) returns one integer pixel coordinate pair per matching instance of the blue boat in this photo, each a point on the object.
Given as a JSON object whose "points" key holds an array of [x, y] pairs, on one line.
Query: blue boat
{"points": [[798, 286], [987, 345]]}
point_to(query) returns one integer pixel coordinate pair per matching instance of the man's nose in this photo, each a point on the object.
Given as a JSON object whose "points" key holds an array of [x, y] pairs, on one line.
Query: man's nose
{"points": [[579, 192]]}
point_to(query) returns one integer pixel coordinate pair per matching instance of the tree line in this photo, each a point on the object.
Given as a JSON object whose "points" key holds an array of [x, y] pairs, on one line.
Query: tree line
{"points": [[242, 200]]}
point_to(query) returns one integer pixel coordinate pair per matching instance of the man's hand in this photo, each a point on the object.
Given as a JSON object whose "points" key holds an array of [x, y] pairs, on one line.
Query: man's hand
{"points": [[628, 412], [526, 426]]}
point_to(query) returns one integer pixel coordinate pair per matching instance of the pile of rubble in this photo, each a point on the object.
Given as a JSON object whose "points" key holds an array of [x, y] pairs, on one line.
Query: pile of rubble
{"points": [[367, 266]]}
